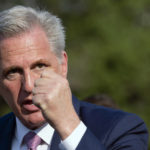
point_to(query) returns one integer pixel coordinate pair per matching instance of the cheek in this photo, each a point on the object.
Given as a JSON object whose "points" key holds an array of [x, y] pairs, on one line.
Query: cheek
{"points": [[62, 70], [10, 91], [57, 66]]}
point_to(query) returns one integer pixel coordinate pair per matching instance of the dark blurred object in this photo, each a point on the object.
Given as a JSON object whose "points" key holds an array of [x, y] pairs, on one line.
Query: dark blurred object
{"points": [[101, 99]]}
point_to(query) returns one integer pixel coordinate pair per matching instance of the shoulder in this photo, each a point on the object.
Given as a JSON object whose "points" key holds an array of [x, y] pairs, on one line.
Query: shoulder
{"points": [[109, 125], [7, 117], [94, 112], [105, 117], [7, 130], [7, 120]]}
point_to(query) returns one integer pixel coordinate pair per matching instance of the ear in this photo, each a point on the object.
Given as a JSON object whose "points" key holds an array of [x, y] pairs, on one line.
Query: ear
{"points": [[64, 64]]}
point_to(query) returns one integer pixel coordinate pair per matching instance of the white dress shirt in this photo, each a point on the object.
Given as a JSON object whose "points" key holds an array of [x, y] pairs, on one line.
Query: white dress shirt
{"points": [[46, 133]]}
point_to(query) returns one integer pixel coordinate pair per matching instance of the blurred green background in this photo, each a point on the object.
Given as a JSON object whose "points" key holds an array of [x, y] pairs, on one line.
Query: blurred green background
{"points": [[108, 43]]}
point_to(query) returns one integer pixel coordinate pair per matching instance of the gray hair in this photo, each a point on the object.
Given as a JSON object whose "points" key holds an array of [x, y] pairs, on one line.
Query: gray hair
{"points": [[22, 19]]}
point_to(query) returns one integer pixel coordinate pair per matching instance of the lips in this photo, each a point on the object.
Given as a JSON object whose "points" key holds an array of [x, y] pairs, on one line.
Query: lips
{"points": [[29, 106]]}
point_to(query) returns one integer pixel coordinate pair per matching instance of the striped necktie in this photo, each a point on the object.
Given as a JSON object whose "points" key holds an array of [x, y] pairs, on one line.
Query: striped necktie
{"points": [[32, 140]]}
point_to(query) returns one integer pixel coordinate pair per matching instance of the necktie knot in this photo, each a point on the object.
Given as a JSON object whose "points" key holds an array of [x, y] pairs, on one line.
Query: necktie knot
{"points": [[32, 140]]}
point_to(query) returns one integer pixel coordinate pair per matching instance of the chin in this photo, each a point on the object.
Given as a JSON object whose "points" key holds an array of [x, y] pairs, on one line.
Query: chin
{"points": [[33, 120], [36, 125]]}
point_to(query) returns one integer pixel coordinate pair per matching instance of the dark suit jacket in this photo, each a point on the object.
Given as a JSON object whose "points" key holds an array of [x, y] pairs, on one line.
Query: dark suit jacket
{"points": [[107, 129]]}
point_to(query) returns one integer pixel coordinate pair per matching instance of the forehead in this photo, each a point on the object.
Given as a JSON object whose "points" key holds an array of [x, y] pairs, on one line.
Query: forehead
{"points": [[24, 48], [24, 41]]}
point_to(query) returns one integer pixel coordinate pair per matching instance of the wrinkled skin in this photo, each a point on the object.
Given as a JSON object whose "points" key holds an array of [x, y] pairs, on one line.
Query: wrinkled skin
{"points": [[31, 73]]}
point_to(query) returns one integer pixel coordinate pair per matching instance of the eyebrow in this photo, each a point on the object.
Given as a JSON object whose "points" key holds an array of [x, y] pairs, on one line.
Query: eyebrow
{"points": [[6, 70]]}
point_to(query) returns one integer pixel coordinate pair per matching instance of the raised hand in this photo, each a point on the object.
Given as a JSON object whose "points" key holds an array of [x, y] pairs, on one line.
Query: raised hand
{"points": [[52, 95]]}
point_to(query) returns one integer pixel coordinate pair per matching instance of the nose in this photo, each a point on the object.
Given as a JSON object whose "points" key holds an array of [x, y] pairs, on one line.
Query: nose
{"points": [[28, 82]]}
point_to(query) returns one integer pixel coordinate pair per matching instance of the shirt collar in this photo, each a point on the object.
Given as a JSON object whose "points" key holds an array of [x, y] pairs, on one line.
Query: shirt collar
{"points": [[45, 132]]}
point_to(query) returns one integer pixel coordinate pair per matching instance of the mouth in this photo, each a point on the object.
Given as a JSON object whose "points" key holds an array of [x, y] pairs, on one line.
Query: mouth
{"points": [[28, 106]]}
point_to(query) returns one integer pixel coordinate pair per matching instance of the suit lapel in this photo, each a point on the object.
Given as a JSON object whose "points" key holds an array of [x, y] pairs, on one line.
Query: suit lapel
{"points": [[7, 131], [55, 142]]}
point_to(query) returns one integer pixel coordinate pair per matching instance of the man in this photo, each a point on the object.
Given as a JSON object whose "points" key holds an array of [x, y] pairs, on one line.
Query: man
{"points": [[33, 81]]}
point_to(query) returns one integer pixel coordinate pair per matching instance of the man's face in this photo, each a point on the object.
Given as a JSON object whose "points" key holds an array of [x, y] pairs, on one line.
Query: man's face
{"points": [[22, 60]]}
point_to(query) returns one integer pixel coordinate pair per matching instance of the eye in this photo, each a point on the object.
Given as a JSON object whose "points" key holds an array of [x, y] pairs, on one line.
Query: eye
{"points": [[12, 73], [40, 66]]}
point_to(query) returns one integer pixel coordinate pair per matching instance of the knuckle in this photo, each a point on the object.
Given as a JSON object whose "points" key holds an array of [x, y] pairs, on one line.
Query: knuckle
{"points": [[48, 97], [43, 74], [36, 100], [36, 83]]}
